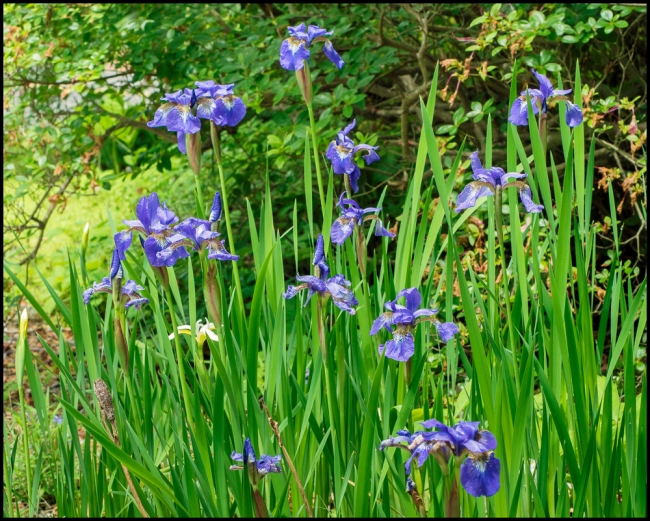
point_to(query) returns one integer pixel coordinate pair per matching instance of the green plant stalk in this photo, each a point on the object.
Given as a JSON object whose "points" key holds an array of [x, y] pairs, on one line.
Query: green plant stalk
{"points": [[7, 474], [214, 134], [498, 213], [23, 416], [199, 194], [362, 254], [179, 355], [314, 141], [452, 497], [348, 186], [119, 324], [542, 129]]}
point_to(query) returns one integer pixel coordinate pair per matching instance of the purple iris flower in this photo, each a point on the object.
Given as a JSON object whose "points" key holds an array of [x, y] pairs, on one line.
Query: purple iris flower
{"points": [[353, 216], [479, 472], [218, 103], [257, 468], [341, 153], [486, 183], [295, 49], [540, 99], [195, 233], [406, 319], [335, 286], [178, 115], [155, 222], [130, 295]]}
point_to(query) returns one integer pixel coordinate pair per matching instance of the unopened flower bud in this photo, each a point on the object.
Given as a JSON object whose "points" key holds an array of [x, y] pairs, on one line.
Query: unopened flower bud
{"points": [[304, 82], [105, 400], [84, 237], [193, 145], [24, 319]]}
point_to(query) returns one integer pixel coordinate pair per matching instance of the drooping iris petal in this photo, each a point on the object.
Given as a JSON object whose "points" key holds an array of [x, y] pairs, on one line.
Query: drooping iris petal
{"points": [[332, 55], [341, 229], [400, 348], [519, 113], [293, 54], [526, 197], [341, 159], [354, 178], [380, 231], [421, 453], [382, 320], [470, 194], [447, 330], [222, 254], [160, 117], [371, 156], [229, 111], [487, 439], [87, 294], [573, 115], [291, 292], [425, 312], [236, 456], [180, 139], [137, 303], [480, 475], [205, 106], [180, 118]]}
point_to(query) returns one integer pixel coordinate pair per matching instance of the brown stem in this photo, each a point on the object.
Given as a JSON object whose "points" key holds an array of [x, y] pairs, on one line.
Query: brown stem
{"points": [[276, 431], [260, 506]]}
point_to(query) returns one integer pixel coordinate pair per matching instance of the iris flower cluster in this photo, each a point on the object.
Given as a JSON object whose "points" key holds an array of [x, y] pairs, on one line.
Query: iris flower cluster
{"points": [[257, 468], [480, 472], [165, 241], [208, 101], [487, 181], [324, 285], [130, 295], [540, 99], [353, 216], [405, 319], [294, 51], [342, 151]]}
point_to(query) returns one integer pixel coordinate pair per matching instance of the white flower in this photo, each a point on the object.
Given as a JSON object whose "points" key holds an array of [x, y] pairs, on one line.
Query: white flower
{"points": [[202, 331]]}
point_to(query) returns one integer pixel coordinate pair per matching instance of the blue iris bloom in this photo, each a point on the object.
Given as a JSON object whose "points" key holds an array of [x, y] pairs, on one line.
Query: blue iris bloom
{"points": [[219, 104], [488, 180], [342, 151], [196, 233], [480, 472], [130, 295], [353, 216], [257, 468], [405, 319], [295, 49], [539, 99], [178, 115], [335, 286], [155, 222]]}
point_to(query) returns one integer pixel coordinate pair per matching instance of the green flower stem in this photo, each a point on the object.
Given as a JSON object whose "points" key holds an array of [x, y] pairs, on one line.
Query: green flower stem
{"points": [[179, 355], [452, 497], [314, 141], [543, 129], [199, 194], [498, 212], [23, 417], [348, 186], [214, 134]]}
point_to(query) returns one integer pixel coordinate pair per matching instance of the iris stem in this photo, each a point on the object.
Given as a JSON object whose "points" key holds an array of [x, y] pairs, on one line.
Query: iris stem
{"points": [[498, 212], [260, 506], [179, 355], [348, 186], [214, 134], [199, 194], [452, 497], [314, 141], [542, 129]]}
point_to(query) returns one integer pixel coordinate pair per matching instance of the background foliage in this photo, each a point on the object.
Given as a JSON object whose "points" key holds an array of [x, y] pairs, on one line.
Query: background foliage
{"points": [[80, 82]]}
